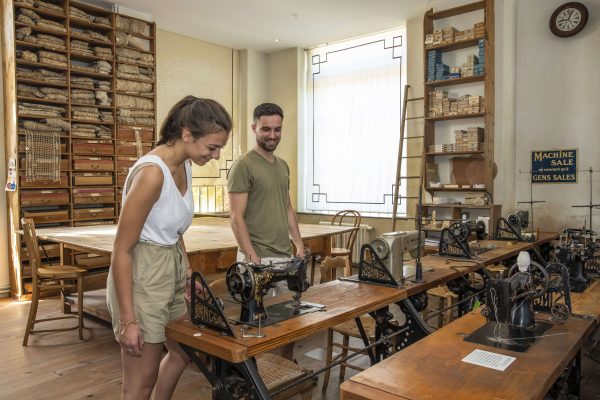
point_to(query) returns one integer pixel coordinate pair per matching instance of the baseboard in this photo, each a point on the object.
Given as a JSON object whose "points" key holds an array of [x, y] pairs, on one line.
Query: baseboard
{"points": [[4, 291]]}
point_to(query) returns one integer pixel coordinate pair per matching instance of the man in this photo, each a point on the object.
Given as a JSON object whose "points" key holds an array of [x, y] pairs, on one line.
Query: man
{"points": [[262, 216]]}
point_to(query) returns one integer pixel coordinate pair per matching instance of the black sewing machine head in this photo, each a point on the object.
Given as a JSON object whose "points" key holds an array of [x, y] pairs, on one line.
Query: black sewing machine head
{"points": [[576, 247], [512, 228], [509, 307], [248, 283], [454, 240]]}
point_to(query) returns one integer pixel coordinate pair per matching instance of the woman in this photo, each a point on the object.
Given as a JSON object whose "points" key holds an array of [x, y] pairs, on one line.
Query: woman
{"points": [[147, 278]]}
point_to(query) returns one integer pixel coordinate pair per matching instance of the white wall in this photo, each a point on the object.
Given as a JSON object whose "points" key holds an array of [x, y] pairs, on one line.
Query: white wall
{"points": [[557, 107]]}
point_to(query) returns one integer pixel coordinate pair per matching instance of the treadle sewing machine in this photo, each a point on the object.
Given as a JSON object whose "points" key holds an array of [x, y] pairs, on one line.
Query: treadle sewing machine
{"points": [[510, 304], [576, 251], [454, 240], [248, 284], [513, 227]]}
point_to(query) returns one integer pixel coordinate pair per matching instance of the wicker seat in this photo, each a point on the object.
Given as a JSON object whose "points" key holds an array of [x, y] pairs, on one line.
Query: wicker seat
{"points": [[50, 278], [274, 370], [343, 217]]}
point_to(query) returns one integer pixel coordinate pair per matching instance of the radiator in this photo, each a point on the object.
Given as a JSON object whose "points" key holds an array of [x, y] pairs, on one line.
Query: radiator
{"points": [[364, 235]]}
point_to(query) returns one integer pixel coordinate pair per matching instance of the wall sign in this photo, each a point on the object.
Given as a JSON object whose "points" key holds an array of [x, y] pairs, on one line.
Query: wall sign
{"points": [[554, 166]]}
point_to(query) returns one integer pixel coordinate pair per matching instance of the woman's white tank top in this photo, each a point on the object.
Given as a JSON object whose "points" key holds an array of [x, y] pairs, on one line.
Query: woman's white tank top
{"points": [[172, 214]]}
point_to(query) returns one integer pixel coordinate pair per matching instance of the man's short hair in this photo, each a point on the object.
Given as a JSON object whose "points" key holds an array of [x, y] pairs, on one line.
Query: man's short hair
{"points": [[267, 109]]}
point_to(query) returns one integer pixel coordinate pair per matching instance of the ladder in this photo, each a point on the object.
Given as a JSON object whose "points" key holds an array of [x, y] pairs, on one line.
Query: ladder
{"points": [[399, 176]]}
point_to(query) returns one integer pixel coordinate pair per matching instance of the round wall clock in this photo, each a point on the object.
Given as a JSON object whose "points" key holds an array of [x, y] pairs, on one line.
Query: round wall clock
{"points": [[568, 19]]}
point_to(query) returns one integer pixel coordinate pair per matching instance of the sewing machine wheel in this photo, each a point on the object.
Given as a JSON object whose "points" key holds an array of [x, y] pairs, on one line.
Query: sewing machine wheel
{"points": [[461, 231], [240, 282], [514, 220], [560, 312], [381, 248], [540, 276]]}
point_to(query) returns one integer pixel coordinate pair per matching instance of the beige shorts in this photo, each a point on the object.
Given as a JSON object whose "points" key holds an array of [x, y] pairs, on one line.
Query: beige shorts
{"points": [[159, 275]]}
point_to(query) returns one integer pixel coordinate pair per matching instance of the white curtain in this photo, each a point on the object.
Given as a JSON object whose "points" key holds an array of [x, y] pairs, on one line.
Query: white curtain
{"points": [[353, 108]]}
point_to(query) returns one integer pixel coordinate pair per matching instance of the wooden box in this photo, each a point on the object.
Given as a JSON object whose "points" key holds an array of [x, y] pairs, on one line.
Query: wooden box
{"points": [[93, 195], [43, 217], [131, 148], [93, 213], [129, 133], [91, 260], [124, 163], [92, 178], [44, 197], [64, 164], [23, 147], [52, 251], [93, 163], [100, 147], [121, 176], [64, 181], [95, 222]]}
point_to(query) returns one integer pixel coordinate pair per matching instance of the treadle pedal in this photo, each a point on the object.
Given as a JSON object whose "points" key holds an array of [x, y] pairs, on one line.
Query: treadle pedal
{"points": [[594, 353]]}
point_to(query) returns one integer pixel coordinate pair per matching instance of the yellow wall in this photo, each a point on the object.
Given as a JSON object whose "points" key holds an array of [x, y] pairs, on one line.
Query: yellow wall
{"points": [[187, 66]]}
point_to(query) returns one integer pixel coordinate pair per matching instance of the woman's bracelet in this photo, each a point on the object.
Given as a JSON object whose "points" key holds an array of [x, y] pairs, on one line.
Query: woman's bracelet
{"points": [[126, 324]]}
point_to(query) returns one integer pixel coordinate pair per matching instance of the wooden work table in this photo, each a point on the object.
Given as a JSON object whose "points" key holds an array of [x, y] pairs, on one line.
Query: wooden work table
{"points": [[432, 368], [209, 241], [438, 270], [343, 300]]}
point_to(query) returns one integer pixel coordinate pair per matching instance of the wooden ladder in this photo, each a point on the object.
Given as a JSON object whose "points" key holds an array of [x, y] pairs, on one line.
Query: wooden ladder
{"points": [[401, 157]]}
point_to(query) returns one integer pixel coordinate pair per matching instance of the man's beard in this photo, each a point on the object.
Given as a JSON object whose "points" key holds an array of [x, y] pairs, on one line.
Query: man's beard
{"points": [[268, 145]]}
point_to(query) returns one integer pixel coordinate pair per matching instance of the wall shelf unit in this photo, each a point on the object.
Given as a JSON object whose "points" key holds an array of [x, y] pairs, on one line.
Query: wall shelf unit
{"points": [[81, 64], [458, 145]]}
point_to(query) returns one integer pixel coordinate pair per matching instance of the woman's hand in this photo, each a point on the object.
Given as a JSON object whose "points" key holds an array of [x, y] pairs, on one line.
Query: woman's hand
{"points": [[131, 338]]}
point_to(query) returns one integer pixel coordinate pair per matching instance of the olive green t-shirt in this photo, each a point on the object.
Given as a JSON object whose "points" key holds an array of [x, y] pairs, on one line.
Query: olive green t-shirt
{"points": [[267, 185]]}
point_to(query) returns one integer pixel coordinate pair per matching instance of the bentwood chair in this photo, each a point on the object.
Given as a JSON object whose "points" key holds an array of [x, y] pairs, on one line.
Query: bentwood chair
{"points": [[345, 217], [274, 370], [50, 278]]}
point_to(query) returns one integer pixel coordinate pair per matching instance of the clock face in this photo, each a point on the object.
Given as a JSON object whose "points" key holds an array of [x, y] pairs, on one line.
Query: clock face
{"points": [[568, 19]]}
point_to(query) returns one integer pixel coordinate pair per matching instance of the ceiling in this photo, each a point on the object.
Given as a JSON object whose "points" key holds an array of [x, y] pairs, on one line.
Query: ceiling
{"points": [[256, 24]]}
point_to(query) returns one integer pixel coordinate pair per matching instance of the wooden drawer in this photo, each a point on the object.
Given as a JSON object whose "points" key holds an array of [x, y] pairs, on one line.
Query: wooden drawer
{"points": [[44, 197], [124, 163], [93, 195], [23, 147], [64, 164], [100, 147], [64, 181], [91, 260], [119, 196], [131, 148], [93, 163], [43, 217], [93, 213], [121, 176], [52, 250], [129, 133], [92, 178], [95, 222]]}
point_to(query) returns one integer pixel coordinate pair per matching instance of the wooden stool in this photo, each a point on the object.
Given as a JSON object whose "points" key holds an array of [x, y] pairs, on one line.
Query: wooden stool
{"points": [[447, 299]]}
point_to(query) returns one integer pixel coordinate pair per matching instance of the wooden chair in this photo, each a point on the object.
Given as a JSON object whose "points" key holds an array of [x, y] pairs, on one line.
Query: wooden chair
{"points": [[274, 370], [446, 299], [343, 217], [50, 278]]}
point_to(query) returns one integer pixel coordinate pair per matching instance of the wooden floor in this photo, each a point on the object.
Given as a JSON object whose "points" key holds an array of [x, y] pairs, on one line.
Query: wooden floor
{"points": [[59, 366]]}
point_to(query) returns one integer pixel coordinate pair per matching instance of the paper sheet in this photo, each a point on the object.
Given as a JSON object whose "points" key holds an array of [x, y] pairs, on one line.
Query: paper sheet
{"points": [[489, 360]]}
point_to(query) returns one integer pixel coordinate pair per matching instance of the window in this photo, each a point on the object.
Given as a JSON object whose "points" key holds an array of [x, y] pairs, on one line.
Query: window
{"points": [[353, 110]]}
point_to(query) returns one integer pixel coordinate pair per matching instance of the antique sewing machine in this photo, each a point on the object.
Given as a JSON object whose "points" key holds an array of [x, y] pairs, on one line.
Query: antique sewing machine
{"points": [[576, 247], [513, 227], [454, 240], [249, 283], [509, 307], [390, 248]]}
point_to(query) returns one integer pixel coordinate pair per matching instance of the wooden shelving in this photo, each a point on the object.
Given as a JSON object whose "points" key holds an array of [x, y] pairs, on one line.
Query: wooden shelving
{"points": [[483, 80], [82, 169]]}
